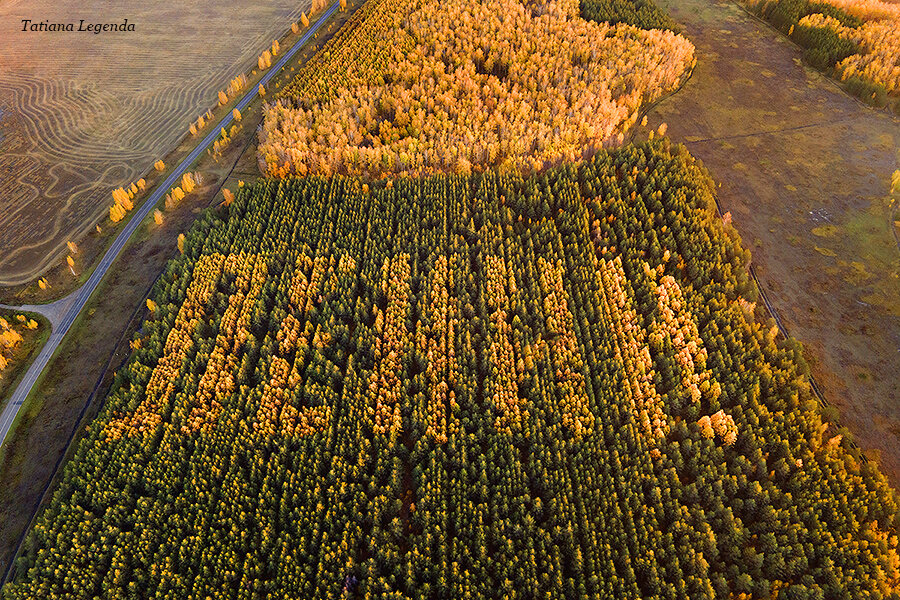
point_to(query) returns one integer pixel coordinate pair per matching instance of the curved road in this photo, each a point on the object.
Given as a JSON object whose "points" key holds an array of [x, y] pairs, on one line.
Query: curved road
{"points": [[79, 298]]}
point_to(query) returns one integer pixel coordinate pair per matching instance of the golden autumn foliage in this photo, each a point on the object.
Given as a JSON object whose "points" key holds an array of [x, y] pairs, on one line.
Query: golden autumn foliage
{"points": [[236, 85], [719, 425], [436, 339], [679, 329], [236, 114], [228, 195], [296, 28], [178, 343], [562, 347], [181, 243], [10, 338], [262, 90], [869, 10], [223, 97], [360, 51], [9, 341], [277, 415], [151, 305], [158, 216], [524, 91], [877, 40], [188, 183], [116, 213], [504, 392], [390, 346], [304, 19], [265, 60], [122, 198], [159, 165], [630, 342]]}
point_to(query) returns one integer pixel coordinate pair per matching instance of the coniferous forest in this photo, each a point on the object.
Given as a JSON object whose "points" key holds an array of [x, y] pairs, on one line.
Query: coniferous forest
{"points": [[472, 386]]}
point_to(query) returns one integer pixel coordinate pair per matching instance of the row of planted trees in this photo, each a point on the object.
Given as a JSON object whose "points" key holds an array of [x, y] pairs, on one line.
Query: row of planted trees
{"points": [[482, 386], [123, 197]]}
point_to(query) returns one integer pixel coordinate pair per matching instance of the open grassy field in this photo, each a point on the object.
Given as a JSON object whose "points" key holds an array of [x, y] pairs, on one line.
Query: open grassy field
{"points": [[81, 114], [805, 171]]}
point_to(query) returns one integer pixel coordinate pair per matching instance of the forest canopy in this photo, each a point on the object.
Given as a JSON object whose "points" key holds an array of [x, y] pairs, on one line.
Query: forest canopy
{"points": [[461, 86], [465, 387]]}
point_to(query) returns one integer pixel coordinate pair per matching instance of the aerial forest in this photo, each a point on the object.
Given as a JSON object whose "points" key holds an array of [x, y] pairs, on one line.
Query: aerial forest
{"points": [[466, 338], [471, 386]]}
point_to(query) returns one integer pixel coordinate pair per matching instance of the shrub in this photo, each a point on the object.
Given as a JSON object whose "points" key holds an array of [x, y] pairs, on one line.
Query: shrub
{"points": [[870, 92]]}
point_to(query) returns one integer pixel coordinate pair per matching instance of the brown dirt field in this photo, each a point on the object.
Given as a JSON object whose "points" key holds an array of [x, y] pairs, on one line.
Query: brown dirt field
{"points": [[81, 114], [805, 171]]}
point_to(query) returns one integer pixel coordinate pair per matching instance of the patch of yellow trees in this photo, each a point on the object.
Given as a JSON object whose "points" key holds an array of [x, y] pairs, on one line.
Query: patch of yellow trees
{"points": [[878, 40], [488, 84], [189, 182], [11, 338], [123, 197]]}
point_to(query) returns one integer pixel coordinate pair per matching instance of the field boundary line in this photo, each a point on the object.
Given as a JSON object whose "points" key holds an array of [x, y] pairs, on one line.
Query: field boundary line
{"points": [[775, 131]]}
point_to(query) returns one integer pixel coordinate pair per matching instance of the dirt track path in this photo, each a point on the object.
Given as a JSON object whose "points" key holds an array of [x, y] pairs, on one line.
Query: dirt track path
{"points": [[805, 171]]}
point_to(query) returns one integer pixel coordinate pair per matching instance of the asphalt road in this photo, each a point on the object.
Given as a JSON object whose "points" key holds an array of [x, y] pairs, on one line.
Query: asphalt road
{"points": [[83, 294]]}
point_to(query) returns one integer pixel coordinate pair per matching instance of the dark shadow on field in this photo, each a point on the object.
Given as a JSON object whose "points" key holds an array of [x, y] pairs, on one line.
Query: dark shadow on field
{"points": [[805, 171]]}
